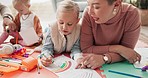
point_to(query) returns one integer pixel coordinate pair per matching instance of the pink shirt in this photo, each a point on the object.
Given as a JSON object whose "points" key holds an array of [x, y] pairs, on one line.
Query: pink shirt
{"points": [[123, 29]]}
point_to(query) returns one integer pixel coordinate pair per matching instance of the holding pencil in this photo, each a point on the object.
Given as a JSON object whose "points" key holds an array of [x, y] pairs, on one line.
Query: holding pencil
{"points": [[46, 61]]}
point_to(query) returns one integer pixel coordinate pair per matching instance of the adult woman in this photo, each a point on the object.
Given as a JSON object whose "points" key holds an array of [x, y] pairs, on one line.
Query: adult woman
{"points": [[7, 19], [110, 30]]}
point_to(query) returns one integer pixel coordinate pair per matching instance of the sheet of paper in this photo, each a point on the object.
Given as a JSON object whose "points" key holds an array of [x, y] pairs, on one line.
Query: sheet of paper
{"points": [[143, 62], [144, 57], [64, 67], [29, 36]]}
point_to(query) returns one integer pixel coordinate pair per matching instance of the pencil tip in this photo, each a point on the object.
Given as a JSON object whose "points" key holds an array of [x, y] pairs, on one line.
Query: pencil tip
{"points": [[38, 72]]}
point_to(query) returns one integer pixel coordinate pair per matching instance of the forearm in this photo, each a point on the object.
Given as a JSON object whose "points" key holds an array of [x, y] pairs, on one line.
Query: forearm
{"points": [[114, 57], [95, 49], [4, 10], [128, 53], [47, 51], [37, 26], [48, 45], [75, 51], [118, 49], [111, 52]]}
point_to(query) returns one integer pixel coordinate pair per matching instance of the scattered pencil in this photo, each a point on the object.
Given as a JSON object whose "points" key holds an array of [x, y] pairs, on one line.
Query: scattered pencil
{"points": [[38, 69]]}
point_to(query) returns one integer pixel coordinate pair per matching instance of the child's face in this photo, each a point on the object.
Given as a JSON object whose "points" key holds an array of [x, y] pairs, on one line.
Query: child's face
{"points": [[22, 8], [66, 22]]}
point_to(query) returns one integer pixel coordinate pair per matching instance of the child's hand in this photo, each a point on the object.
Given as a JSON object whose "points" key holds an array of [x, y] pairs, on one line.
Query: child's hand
{"points": [[46, 61]]}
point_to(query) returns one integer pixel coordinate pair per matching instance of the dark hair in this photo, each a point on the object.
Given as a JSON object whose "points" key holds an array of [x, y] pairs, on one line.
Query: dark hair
{"points": [[143, 4], [110, 2]]}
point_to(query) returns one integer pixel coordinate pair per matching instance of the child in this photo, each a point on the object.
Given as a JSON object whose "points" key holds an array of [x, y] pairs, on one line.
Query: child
{"points": [[63, 35], [25, 19]]}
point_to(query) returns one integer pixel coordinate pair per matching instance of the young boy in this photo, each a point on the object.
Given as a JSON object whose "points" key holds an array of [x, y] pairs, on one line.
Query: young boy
{"points": [[24, 20], [63, 34]]}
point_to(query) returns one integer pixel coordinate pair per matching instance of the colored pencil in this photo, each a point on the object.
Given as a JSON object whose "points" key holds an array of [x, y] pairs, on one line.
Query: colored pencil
{"points": [[126, 74]]}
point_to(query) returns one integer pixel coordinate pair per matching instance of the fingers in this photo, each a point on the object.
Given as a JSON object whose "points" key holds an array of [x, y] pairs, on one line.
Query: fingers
{"points": [[10, 23], [12, 26], [84, 62], [138, 57], [46, 61], [88, 62], [80, 66], [135, 58], [91, 61]]}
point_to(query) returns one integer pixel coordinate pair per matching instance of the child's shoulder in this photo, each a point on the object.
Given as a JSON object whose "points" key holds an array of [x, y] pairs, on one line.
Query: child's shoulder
{"points": [[51, 26]]}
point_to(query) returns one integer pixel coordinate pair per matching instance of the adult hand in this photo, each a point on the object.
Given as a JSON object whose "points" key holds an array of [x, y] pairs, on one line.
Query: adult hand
{"points": [[131, 55], [46, 61], [128, 53], [80, 64], [92, 61], [10, 23]]}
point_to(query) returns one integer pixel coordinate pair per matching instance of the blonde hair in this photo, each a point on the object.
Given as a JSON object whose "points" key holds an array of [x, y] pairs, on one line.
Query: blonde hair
{"points": [[25, 2], [68, 5]]}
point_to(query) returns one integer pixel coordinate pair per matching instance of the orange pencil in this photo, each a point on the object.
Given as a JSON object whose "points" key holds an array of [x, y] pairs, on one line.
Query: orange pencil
{"points": [[16, 41]]}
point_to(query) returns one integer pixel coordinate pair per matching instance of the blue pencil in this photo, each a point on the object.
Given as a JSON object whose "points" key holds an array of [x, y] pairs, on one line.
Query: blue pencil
{"points": [[117, 72]]}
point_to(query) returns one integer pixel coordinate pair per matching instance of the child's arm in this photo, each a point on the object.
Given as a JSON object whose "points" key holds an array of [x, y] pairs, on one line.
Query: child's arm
{"points": [[17, 22], [48, 45], [47, 50], [75, 51], [38, 27]]}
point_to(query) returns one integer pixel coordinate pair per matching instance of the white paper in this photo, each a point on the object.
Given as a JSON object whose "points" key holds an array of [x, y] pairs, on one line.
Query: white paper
{"points": [[29, 36], [71, 72], [143, 62], [144, 57]]}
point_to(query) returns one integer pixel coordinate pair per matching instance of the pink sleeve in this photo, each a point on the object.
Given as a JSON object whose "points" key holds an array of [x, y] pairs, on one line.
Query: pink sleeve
{"points": [[132, 29], [130, 36]]}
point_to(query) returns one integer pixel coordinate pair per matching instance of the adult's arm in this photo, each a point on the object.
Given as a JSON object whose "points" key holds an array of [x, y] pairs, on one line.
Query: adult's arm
{"points": [[5, 11], [130, 37], [87, 41]]}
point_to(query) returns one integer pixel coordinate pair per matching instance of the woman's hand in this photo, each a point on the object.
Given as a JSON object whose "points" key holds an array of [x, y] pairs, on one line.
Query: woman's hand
{"points": [[80, 64], [92, 61], [131, 55], [46, 61], [128, 53], [10, 23]]}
